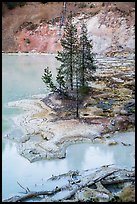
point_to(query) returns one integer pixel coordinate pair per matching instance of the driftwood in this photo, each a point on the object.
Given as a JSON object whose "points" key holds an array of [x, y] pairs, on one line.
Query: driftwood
{"points": [[26, 189], [32, 195], [78, 181]]}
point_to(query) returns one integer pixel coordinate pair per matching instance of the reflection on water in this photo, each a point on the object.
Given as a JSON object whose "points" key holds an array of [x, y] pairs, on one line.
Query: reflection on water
{"points": [[22, 79], [95, 157], [79, 157], [86, 156]]}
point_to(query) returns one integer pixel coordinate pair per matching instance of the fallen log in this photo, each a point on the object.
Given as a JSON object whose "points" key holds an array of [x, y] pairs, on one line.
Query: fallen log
{"points": [[31, 195], [86, 179]]}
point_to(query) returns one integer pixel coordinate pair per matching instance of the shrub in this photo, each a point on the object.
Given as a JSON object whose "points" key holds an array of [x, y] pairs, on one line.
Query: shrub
{"points": [[84, 90], [12, 5], [82, 5], [27, 40], [92, 6]]}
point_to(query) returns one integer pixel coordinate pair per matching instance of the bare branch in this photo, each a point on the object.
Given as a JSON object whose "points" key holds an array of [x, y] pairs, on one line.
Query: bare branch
{"points": [[26, 190]]}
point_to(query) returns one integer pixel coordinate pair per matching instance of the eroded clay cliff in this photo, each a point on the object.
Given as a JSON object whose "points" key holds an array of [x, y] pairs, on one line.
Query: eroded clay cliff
{"points": [[35, 27]]}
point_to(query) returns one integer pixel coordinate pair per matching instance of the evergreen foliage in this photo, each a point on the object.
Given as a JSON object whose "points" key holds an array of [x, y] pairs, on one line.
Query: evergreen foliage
{"points": [[86, 60], [68, 57], [77, 64], [47, 78], [12, 5], [60, 79]]}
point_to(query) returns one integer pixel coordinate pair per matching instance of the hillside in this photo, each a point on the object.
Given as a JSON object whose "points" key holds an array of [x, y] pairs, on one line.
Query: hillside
{"points": [[35, 27]]}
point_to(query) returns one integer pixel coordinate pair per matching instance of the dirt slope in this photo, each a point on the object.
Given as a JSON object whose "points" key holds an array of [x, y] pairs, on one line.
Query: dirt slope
{"points": [[35, 27]]}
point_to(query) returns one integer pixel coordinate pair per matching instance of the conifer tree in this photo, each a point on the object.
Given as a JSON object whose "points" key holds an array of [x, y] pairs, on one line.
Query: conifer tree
{"points": [[68, 57], [86, 60], [77, 64], [60, 79], [47, 79]]}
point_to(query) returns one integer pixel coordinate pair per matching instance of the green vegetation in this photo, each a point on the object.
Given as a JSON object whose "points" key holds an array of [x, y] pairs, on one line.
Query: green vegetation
{"points": [[82, 5], [12, 5], [68, 57], [85, 57], [47, 78], [77, 64], [27, 40]]}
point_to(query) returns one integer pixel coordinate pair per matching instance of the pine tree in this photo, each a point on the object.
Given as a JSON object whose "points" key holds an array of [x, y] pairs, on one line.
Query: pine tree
{"points": [[85, 67], [60, 79], [68, 57], [47, 79], [77, 64], [86, 60]]}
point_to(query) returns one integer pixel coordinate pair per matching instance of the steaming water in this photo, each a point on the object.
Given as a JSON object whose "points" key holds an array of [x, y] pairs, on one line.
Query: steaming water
{"points": [[21, 78]]}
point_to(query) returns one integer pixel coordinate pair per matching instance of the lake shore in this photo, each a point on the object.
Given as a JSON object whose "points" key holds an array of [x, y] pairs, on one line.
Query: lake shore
{"points": [[50, 124], [49, 127], [48, 130], [104, 184]]}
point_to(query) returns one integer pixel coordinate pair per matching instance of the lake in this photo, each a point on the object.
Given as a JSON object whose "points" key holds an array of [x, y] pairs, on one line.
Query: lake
{"points": [[21, 79]]}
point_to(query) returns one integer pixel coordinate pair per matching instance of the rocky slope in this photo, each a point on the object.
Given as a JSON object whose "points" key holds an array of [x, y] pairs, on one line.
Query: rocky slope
{"points": [[35, 27]]}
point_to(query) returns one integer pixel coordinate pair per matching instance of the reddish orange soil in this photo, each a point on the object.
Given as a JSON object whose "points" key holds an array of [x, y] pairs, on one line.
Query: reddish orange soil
{"points": [[41, 30]]}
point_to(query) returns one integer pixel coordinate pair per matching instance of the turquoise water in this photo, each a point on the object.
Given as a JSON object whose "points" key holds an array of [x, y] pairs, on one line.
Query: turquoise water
{"points": [[21, 78]]}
